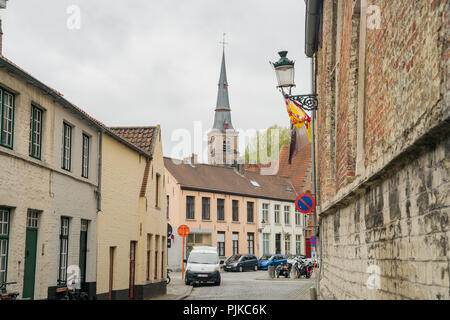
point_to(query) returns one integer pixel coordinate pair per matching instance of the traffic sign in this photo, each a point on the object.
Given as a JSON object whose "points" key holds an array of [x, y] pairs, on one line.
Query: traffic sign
{"points": [[305, 203], [183, 231], [313, 240]]}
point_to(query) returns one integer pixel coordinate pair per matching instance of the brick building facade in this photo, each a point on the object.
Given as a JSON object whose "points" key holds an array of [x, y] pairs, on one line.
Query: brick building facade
{"points": [[382, 75]]}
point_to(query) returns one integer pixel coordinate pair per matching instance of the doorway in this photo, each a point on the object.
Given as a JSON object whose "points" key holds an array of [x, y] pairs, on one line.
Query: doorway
{"points": [[112, 251], [30, 254], [278, 243], [132, 269]]}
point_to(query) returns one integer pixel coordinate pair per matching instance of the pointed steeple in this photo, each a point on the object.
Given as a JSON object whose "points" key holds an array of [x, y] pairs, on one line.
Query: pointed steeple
{"points": [[222, 118]]}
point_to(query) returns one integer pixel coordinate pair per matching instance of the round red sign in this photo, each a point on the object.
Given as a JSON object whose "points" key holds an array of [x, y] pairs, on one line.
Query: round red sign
{"points": [[183, 230], [305, 203]]}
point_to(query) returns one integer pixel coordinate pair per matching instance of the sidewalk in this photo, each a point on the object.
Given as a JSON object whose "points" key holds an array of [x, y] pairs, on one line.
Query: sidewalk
{"points": [[176, 289]]}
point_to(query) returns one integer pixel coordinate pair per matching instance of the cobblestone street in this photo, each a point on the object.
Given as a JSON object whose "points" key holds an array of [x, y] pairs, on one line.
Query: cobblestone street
{"points": [[251, 285]]}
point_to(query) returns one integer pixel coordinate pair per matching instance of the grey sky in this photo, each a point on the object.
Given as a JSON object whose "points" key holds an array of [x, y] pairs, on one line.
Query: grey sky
{"points": [[148, 62]]}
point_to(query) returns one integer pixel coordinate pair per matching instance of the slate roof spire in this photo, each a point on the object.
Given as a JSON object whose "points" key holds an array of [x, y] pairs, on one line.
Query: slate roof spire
{"points": [[222, 118]]}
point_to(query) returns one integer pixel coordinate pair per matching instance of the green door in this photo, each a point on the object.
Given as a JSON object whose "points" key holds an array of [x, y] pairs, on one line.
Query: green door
{"points": [[30, 263], [83, 251]]}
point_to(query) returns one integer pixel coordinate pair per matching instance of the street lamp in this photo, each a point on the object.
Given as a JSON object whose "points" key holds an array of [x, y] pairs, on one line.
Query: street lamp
{"points": [[285, 71]]}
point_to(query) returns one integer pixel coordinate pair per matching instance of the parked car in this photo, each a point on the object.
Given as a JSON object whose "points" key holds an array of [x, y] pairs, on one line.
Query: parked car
{"points": [[271, 260], [203, 265], [241, 262]]}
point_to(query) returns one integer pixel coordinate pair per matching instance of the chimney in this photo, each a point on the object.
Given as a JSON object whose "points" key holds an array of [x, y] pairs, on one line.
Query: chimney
{"points": [[192, 159], [1, 38]]}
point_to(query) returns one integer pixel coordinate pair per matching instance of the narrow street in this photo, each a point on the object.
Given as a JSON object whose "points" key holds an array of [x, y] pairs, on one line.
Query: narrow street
{"points": [[250, 285]]}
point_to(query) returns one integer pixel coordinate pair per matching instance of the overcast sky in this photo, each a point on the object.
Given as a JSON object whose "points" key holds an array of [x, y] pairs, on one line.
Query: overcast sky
{"points": [[148, 62]]}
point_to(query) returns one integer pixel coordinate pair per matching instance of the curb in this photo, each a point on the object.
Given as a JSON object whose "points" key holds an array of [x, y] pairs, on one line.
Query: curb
{"points": [[184, 296]]}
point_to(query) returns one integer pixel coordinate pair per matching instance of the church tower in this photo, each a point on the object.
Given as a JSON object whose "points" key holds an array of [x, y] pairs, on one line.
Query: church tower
{"points": [[223, 139]]}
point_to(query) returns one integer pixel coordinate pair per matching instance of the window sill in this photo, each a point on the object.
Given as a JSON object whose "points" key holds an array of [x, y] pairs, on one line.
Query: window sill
{"points": [[221, 221], [236, 222], [190, 219], [206, 220], [251, 222]]}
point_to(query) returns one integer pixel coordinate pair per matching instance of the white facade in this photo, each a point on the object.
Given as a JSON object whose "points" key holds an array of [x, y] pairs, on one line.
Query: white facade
{"points": [[37, 185], [276, 234]]}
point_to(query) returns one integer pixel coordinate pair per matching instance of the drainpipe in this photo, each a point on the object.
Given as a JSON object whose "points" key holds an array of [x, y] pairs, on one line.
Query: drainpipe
{"points": [[99, 173], [312, 26]]}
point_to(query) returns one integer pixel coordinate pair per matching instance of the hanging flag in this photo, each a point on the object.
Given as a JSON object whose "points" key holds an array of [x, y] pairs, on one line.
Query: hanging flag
{"points": [[298, 116]]}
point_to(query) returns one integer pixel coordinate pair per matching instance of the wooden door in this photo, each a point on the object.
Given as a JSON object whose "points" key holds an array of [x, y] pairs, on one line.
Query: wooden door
{"points": [[83, 251], [132, 269], [30, 254], [308, 247], [111, 271], [30, 263]]}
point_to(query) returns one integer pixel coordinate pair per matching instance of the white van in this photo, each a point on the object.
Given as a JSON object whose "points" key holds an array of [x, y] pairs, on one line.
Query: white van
{"points": [[202, 266]]}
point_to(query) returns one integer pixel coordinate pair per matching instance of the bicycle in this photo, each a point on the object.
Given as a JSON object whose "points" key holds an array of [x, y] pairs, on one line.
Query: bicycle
{"points": [[72, 294], [168, 275], [7, 295]]}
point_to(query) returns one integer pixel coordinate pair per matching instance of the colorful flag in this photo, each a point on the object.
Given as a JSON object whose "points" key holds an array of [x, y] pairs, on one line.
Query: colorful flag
{"points": [[298, 116]]}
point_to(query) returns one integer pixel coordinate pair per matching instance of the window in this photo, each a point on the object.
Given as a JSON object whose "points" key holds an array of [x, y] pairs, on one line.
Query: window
{"points": [[287, 214], [251, 243], [250, 215], [266, 243], [167, 207], [32, 219], [226, 146], [85, 157], [265, 213], [63, 250], [206, 209], [277, 214], [4, 242], [287, 244], [35, 132], [235, 210], [190, 208], [7, 118], [298, 220], [67, 147], [298, 244], [221, 243], [220, 210], [235, 242], [158, 178]]}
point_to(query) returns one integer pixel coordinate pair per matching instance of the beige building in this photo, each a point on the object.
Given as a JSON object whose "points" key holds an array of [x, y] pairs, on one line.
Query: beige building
{"points": [[220, 206], [49, 155], [132, 224]]}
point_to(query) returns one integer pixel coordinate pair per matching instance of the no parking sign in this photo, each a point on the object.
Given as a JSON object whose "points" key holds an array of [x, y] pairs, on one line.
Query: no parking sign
{"points": [[305, 203]]}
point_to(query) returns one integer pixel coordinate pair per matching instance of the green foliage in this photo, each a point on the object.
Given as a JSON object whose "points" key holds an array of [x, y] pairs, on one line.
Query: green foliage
{"points": [[259, 149]]}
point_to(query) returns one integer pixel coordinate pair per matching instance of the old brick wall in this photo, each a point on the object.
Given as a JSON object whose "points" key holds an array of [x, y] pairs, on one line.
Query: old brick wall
{"points": [[399, 224], [391, 110]]}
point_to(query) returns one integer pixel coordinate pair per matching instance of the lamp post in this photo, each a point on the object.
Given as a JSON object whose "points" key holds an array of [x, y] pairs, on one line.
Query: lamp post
{"points": [[285, 71]]}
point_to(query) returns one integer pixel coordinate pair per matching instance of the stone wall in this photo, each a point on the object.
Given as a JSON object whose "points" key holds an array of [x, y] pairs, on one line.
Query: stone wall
{"points": [[383, 149], [398, 223]]}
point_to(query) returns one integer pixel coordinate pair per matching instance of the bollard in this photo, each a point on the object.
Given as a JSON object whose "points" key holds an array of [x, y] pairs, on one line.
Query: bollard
{"points": [[271, 270], [293, 272], [312, 293]]}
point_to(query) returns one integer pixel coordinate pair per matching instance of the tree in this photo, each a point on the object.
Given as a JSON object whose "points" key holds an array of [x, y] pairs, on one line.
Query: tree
{"points": [[259, 149]]}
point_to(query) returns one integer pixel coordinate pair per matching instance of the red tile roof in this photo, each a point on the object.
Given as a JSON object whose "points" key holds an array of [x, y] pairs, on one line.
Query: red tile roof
{"points": [[299, 171], [220, 179], [142, 137]]}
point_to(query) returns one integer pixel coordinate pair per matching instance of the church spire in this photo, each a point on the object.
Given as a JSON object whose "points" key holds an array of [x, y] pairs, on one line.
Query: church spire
{"points": [[222, 118]]}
